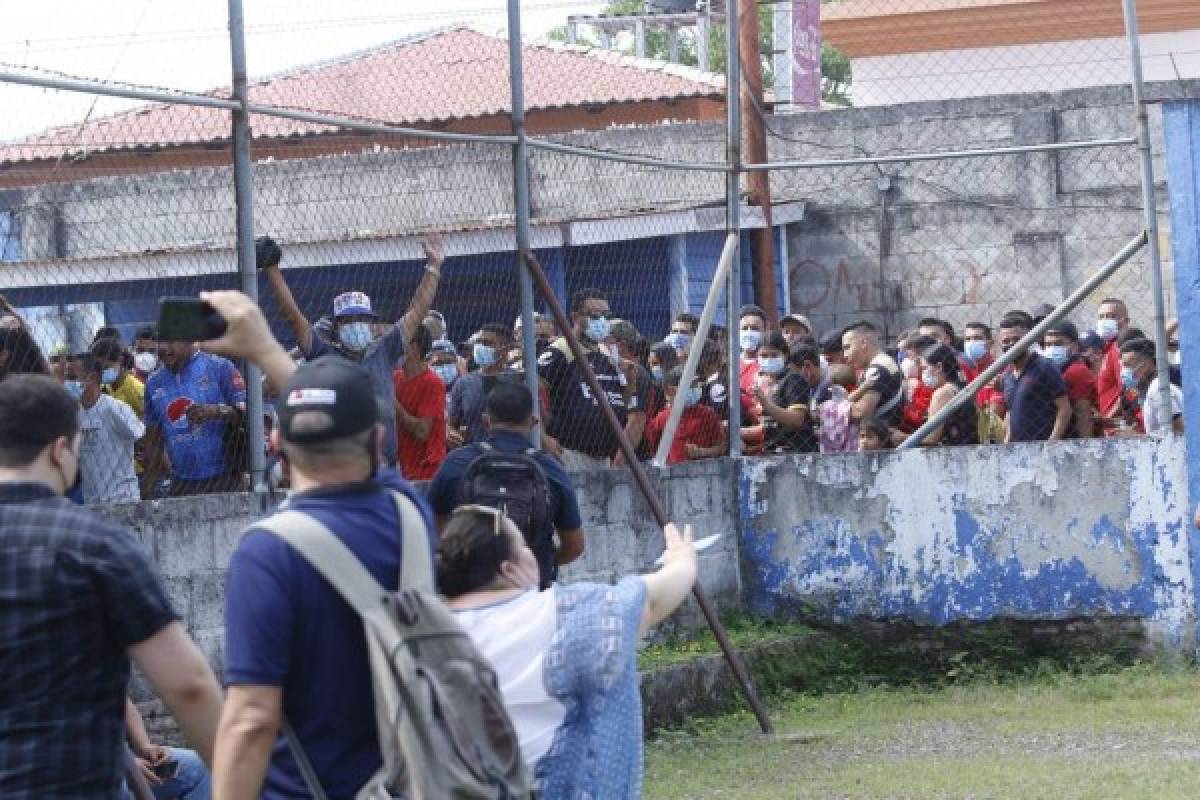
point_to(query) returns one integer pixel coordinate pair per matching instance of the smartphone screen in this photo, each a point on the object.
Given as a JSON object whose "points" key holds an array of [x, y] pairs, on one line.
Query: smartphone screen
{"points": [[188, 319], [166, 770]]}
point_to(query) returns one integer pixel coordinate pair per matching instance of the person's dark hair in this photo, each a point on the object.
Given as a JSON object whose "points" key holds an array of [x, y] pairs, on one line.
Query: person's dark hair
{"points": [[1064, 327], [832, 342], [423, 339], [674, 377], [919, 344], [580, 297], [934, 322], [862, 325], [469, 553], [710, 353], [624, 331], [108, 350], [146, 332], [979, 326], [947, 359], [640, 350], [24, 355], [1017, 319], [775, 341], [804, 354], [501, 330], [107, 332], [1115, 301], [879, 429], [1131, 334], [751, 310], [690, 319], [666, 356], [1141, 346], [509, 403], [34, 411]]}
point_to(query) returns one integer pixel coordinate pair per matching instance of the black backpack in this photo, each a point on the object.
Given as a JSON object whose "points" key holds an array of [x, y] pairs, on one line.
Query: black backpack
{"points": [[516, 484]]}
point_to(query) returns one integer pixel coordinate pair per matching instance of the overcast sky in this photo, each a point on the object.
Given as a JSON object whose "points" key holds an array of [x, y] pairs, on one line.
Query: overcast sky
{"points": [[185, 45]]}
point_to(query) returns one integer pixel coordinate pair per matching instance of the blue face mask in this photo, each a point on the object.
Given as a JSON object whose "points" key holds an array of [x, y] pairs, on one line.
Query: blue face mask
{"points": [[355, 336], [1128, 379], [1057, 353], [750, 340], [975, 351], [657, 373], [597, 329], [679, 341], [483, 355], [447, 372], [74, 388], [1108, 329], [692, 397], [772, 366], [109, 376]]}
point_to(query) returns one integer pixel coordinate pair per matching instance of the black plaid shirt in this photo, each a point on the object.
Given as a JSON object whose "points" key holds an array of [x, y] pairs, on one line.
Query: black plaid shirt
{"points": [[75, 592]]}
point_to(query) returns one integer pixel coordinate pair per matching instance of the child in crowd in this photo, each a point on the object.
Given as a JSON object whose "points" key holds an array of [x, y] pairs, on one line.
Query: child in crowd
{"points": [[839, 431], [700, 433], [874, 434]]}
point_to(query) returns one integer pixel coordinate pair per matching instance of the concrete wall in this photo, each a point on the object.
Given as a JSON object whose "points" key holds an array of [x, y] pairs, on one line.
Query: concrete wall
{"points": [[932, 536], [967, 240], [192, 539]]}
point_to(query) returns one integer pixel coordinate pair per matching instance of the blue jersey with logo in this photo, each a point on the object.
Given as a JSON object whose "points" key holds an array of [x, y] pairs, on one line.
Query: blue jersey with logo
{"points": [[197, 452]]}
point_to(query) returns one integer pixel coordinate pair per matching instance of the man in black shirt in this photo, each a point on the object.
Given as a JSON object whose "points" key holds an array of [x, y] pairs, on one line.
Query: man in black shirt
{"points": [[880, 391], [639, 385], [581, 436], [787, 409], [78, 599]]}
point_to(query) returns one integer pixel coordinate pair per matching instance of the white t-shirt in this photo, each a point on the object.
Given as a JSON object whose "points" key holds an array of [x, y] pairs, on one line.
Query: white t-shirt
{"points": [[107, 433], [1157, 418], [515, 635]]}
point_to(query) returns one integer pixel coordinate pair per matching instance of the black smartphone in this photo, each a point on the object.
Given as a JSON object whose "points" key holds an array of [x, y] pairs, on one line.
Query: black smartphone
{"points": [[188, 319], [166, 770]]}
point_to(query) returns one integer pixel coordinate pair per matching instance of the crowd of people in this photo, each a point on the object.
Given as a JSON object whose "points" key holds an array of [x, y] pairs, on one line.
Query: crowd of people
{"points": [[541, 677]]}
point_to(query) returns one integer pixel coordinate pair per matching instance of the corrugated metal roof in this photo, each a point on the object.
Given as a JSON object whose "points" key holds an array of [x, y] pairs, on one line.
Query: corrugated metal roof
{"points": [[453, 74]]}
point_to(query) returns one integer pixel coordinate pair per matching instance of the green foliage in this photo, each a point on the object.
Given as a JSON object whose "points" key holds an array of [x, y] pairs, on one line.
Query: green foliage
{"points": [[836, 75]]}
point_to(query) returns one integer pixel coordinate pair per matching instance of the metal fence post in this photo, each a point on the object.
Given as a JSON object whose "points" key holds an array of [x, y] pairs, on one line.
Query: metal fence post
{"points": [[733, 224], [1149, 203], [244, 196], [521, 211]]}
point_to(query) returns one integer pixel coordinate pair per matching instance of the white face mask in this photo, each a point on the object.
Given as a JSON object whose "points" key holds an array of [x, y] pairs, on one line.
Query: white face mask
{"points": [[1174, 358], [145, 362], [355, 335], [771, 366], [1108, 329], [909, 368], [750, 340]]}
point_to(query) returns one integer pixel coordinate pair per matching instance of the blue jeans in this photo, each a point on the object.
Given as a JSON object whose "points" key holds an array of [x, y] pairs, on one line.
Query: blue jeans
{"points": [[191, 782]]}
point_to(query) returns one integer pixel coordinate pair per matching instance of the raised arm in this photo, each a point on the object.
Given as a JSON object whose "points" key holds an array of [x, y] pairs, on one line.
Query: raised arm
{"points": [[247, 336], [669, 587], [422, 299], [296, 320]]}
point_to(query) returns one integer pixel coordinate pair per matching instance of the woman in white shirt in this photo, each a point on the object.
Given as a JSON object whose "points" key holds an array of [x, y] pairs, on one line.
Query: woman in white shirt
{"points": [[565, 658]]}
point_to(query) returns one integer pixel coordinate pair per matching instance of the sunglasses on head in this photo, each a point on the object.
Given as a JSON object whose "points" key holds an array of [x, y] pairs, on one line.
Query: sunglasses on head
{"points": [[496, 514]]}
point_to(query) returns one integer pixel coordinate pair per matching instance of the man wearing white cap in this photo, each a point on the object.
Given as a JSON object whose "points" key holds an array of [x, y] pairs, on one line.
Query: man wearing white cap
{"points": [[354, 322], [794, 327]]}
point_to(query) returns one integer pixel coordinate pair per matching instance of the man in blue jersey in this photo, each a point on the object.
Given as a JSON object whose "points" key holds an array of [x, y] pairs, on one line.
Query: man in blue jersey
{"points": [[190, 402]]}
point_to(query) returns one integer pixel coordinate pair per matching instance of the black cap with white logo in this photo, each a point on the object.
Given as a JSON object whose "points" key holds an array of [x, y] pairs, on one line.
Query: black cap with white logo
{"points": [[329, 398]]}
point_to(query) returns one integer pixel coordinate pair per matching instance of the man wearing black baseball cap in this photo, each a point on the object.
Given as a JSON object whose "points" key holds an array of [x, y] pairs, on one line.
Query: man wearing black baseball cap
{"points": [[293, 647]]}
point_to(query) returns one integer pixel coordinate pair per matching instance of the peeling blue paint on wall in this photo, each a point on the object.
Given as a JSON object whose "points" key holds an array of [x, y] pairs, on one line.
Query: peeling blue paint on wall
{"points": [[935, 536]]}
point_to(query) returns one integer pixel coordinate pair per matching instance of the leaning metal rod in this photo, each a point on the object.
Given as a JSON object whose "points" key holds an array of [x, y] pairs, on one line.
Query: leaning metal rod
{"points": [[1149, 203], [715, 290], [967, 394], [643, 482], [947, 155]]}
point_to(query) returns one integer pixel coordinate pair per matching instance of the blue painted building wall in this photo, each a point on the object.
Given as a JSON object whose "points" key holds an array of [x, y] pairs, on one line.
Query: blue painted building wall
{"points": [[933, 536]]}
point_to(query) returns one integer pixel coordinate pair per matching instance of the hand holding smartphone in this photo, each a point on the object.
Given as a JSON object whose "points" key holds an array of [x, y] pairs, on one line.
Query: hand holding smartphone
{"points": [[188, 319]]}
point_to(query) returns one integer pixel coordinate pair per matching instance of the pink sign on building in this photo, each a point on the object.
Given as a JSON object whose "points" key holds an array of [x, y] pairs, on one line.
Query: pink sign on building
{"points": [[806, 53]]}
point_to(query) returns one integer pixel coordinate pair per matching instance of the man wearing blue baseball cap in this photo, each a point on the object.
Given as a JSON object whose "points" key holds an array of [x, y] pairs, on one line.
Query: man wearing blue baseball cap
{"points": [[354, 327]]}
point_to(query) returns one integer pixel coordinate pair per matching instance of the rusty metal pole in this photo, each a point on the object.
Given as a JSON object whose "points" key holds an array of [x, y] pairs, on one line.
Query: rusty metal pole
{"points": [[647, 489], [754, 150]]}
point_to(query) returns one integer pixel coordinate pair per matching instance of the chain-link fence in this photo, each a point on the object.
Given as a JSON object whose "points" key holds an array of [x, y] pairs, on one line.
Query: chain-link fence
{"points": [[985, 163]]}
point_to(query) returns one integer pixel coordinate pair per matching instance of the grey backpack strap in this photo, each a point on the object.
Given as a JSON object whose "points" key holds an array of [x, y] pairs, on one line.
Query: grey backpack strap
{"points": [[328, 556], [416, 562], [306, 768]]}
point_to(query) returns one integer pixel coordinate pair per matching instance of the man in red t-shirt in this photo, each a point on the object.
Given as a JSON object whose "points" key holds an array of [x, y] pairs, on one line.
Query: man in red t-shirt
{"points": [[1113, 320], [420, 412], [1061, 346], [700, 433]]}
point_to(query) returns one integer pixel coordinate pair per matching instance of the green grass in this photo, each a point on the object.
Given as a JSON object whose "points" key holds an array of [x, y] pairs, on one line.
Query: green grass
{"points": [[1128, 733], [743, 631]]}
